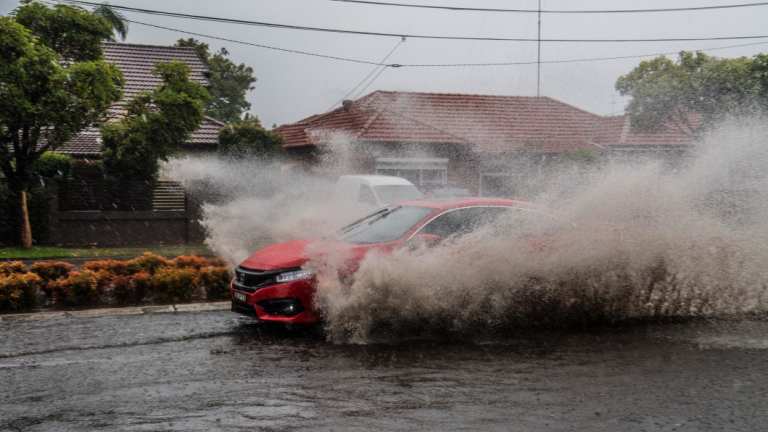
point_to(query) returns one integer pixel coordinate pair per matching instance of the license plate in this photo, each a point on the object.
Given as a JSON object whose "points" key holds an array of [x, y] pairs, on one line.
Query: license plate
{"points": [[240, 297]]}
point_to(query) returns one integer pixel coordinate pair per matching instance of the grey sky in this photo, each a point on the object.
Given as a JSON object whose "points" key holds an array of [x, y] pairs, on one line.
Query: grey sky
{"points": [[291, 87]]}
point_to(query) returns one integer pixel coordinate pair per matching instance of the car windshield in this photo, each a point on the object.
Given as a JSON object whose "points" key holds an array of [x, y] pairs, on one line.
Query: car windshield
{"points": [[395, 193], [387, 224]]}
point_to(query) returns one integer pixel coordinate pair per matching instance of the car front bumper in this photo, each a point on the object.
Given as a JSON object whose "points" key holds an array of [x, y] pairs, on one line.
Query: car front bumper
{"points": [[301, 293]]}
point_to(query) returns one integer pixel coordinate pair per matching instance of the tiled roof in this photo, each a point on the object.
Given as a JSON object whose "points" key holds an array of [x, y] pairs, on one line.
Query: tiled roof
{"points": [[491, 123], [85, 144], [617, 131], [137, 63], [88, 143], [207, 133]]}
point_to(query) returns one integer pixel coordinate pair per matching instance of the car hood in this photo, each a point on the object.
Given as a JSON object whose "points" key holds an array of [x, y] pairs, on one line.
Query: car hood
{"points": [[292, 254]]}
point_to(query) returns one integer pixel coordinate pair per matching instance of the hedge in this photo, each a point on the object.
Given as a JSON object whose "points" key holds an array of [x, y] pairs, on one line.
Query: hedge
{"points": [[148, 278]]}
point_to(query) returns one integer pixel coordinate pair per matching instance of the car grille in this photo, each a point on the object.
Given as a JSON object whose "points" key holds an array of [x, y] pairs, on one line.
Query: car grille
{"points": [[250, 280]]}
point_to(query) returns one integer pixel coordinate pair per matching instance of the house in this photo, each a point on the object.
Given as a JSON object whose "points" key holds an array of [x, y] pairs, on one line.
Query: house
{"points": [[85, 213], [494, 145]]}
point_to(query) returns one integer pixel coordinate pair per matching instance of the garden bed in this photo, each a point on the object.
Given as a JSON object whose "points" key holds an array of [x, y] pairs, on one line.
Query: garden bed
{"points": [[146, 279]]}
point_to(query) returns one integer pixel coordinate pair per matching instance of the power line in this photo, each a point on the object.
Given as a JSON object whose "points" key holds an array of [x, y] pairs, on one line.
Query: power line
{"points": [[370, 74], [401, 35], [431, 65], [574, 60], [258, 45], [378, 74], [554, 11]]}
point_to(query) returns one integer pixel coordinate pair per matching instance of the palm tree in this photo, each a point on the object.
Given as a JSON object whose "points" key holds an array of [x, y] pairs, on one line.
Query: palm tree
{"points": [[114, 18]]}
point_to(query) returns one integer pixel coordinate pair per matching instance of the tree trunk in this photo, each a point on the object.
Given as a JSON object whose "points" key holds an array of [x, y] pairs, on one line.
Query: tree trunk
{"points": [[25, 229]]}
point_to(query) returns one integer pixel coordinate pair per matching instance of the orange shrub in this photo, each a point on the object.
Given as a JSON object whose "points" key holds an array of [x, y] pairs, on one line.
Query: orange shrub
{"points": [[103, 280], [215, 282], [131, 289], [116, 267], [148, 276], [216, 262], [79, 288], [171, 284], [190, 261], [147, 262], [11, 267], [51, 270], [122, 290], [143, 282], [19, 290]]}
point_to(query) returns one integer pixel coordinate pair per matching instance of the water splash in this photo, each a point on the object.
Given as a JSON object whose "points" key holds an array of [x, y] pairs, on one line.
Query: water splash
{"points": [[636, 241], [248, 203]]}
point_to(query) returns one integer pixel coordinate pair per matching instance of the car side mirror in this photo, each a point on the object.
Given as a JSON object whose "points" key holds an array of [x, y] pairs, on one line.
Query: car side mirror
{"points": [[424, 240]]}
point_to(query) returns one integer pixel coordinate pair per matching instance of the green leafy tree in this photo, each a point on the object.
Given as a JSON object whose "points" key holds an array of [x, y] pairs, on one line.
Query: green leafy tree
{"points": [[667, 92], [155, 124], [45, 100], [115, 19], [72, 32], [247, 137], [229, 83], [759, 70]]}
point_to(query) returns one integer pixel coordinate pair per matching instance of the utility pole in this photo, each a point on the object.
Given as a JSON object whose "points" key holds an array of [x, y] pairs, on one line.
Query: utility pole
{"points": [[538, 57]]}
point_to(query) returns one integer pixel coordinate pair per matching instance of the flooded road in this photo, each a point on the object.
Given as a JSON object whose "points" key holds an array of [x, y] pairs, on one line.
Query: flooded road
{"points": [[217, 371]]}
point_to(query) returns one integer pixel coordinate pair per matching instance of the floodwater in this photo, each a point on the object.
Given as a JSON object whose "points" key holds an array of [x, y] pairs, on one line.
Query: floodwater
{"points": [[218, 371]]}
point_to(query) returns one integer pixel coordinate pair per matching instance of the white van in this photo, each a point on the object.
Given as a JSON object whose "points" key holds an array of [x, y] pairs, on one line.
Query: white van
{"points": [[375, 190]]}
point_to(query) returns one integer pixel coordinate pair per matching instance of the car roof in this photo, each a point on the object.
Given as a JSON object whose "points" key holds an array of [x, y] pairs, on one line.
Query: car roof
{"points": [[377, 180], [450, 203]]}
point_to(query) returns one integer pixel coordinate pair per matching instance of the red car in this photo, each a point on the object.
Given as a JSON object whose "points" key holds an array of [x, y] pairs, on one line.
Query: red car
{"points": [[272, 284]]}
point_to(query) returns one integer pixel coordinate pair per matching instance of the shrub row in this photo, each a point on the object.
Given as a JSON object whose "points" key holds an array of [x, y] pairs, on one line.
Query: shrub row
{"points": [[148, 278]]}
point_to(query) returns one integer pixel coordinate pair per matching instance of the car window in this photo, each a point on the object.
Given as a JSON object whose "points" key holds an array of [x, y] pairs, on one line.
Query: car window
{"points": [[393, 193], [366, 195], [463, 221], [385, 225]]}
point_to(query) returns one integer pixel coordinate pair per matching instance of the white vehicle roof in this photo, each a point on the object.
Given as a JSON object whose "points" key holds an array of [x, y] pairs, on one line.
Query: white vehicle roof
{"points": [[376, 180]]}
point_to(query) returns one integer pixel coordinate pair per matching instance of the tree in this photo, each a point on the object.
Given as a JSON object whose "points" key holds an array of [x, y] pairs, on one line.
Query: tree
{"points": [[53, 84], [155, 124], [229, 83], [115, 19], [246, 138], [667, 92], [72, 32]]}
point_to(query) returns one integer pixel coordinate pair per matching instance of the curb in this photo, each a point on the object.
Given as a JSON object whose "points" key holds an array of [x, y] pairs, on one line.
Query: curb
{"points": [[105, 312]]}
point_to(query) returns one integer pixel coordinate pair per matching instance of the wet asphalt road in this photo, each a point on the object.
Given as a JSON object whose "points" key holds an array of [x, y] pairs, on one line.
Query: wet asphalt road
{"points": [[216, 371]]}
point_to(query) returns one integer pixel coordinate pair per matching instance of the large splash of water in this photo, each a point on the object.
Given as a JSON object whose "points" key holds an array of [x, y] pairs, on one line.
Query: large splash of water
{"points": [[636, 241], [631, 241], [248, 203]]}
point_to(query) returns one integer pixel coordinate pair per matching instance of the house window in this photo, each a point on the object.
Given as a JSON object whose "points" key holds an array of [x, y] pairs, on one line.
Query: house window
{"points": [[425, 173]]}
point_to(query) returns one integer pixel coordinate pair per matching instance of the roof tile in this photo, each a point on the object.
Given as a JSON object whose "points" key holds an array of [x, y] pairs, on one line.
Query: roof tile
{"points": [[491, 123], [137, 63]]}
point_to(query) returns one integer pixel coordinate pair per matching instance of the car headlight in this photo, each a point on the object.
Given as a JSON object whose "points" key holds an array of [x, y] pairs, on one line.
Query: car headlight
{"points": [[294, 275]]}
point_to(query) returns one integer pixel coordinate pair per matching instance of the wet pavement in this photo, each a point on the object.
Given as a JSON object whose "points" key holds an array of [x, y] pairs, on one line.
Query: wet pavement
{"points": [[216, 371]]}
